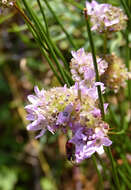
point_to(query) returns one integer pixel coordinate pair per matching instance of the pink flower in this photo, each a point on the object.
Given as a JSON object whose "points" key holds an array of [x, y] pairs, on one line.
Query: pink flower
{"points": [[105, 17]]}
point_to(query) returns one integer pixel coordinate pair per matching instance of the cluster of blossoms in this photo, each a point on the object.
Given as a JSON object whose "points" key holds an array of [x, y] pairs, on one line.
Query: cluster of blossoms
{"points": [[116, 73], [105, 17], [82, 68], [75, 108]]}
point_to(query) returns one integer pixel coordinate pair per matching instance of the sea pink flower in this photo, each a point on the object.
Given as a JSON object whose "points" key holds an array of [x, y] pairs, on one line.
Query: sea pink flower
{"points": [[82, 67], [87, 142], [105, 17], [75, 109]]}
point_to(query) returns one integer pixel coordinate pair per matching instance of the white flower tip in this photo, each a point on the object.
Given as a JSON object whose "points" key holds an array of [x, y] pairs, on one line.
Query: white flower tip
{"points": [[100, 150], [28, 127]]}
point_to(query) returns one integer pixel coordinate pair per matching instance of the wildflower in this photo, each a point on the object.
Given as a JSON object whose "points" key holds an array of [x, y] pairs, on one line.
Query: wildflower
{"points": [[75, 109], [57, 107], [105, 17], [87, 142], [49, 109], [64, 116], [62, 108], [116, 73], [82, 67]]}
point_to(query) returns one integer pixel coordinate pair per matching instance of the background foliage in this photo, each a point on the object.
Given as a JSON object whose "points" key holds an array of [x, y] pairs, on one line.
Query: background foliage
{"points": [[42, 165]]}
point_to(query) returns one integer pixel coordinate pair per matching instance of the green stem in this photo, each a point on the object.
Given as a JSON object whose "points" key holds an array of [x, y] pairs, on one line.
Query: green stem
{"points": [[113, 116], [127, 61], [100, 95], [127, 52], [104, 167], [98, 172], [49, 38], [114, 170], [51, 65], [27, 20], [59, 54], [125, 127], [44, 17], [34, 32], [59, 22], [127, 182], [95, 65], [128, 167], [41, 29], [126, 8]]}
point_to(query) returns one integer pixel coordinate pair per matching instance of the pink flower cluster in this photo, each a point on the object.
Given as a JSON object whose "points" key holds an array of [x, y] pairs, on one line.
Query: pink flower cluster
{"points": [[75, 108], [105, 17]]}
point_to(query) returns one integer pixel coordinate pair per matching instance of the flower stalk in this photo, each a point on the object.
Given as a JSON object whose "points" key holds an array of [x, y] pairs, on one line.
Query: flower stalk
{"points": [[47, 41], [41, 45], [98, 172], [124, 4], [116, 180], [95, 63], [58, 52], [114, 170], [60, 24]]}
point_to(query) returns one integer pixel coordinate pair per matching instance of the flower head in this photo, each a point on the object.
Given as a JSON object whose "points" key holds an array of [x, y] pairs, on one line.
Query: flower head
{"points": [[75, 109], [87, 141], [82, 68], [54, 108], [105, 17], [116, 73], [50, 109]]}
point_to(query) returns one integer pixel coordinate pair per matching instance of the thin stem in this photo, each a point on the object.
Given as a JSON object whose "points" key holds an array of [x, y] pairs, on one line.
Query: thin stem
{"points": [[59, 54], [27, 20], [59, 22], [127, 61], [126, 8], [98, 172], [104, 167], [51, 65], [24, 16], [32, 28], [49, 38], [100, 95], [49, 61], [114, 170], [125, 127], [127, 182], [41, 29], [127, 52], [113, 116], [95, 64], [44, 17], [126, 163]]}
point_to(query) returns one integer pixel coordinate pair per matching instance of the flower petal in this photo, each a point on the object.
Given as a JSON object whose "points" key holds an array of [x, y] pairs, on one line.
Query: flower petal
{"points": [[33, 99], [100, 149], [106, 141], [30, 117], [41, 133]]}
